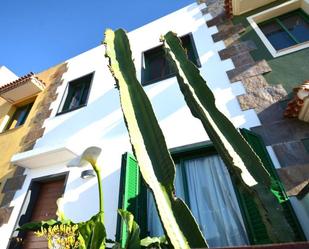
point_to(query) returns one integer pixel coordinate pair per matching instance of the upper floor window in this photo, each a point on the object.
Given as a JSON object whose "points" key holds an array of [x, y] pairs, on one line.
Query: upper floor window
{"points": [[283, 28], [76, 94], [19, 117], [158, 67], [287, 30]]}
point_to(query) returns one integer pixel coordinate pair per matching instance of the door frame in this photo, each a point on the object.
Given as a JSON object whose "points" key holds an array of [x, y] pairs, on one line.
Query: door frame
{"points": [[14, 242]]}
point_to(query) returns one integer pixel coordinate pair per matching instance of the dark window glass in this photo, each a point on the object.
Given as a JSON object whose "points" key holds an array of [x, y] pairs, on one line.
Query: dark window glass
{"points": [[277, 36], [158, 67], [287, 30], [19, 117], [297, 26], [77, 93]]}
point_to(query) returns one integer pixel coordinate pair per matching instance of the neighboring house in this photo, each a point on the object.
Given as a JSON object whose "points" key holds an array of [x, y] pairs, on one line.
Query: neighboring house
{"points": [[79, 107], [19, 101]]}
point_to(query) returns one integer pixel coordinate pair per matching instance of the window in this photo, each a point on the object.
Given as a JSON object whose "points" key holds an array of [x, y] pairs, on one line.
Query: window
{"points": [[226, 216], [283, 28], [19, 117], [76, 94], [287, 30], [203, 182], [158, 67]]}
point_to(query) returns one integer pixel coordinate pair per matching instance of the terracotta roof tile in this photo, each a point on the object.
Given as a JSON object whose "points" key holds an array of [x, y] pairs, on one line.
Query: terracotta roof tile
{"points": [[228, 6], [20, 81], [295, 105]]}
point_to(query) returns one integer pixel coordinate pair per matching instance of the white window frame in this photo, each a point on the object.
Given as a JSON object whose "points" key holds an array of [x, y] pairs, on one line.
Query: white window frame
{"points": [[281, 9]]}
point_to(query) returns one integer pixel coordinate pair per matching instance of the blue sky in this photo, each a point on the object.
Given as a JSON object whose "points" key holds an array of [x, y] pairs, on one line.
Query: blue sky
{"points": [[37, 34]]}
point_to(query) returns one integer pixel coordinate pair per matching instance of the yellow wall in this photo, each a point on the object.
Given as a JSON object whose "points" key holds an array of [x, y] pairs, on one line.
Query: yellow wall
{"points": [[11, 140], [243, 6]]}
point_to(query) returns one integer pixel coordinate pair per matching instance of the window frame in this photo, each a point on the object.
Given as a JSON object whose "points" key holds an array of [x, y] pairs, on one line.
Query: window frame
{"points": [[25, 104], [60, 110], [206, 149], [277, 20], [24, 214], [145, 72], [279, 10]]}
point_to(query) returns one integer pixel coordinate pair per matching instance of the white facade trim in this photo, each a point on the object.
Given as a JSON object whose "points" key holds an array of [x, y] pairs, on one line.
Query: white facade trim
{"points": [[281, 9]]}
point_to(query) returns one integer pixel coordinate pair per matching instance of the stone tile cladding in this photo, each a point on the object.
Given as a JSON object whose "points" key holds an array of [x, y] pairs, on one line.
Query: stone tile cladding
{"points": [[284, 135]]}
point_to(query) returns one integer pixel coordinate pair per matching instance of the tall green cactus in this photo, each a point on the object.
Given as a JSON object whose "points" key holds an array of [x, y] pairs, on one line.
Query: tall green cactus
{"points": [[149, 147], [242, 162]]}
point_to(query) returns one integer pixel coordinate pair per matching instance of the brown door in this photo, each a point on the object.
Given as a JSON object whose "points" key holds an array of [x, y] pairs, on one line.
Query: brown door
{"points": [[45, 208]]}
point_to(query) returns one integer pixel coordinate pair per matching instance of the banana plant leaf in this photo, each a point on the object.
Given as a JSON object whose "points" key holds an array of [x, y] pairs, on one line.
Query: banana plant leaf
{"points": [[244, 165], [149, 147]]}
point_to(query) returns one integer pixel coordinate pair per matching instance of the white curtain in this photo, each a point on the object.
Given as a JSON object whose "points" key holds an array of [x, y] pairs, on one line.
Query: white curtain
{"points": [[211, 198]]}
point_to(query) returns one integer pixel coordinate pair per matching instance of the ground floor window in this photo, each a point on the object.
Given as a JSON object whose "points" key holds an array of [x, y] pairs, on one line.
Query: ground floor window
{"points": [[205, 185], [227, 216]]}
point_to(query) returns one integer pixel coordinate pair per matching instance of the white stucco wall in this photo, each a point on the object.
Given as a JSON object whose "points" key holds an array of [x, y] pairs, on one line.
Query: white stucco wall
{"points": [[101, 122], [6, 75]]}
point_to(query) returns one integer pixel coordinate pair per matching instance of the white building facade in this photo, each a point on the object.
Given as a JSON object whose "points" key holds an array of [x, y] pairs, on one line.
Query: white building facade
{"points": [[98, 121]]}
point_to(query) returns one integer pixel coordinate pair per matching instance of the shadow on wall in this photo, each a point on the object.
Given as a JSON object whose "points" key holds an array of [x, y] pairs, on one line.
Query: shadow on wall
{"points": [[103, 118], [76, 121], [82, 194]]}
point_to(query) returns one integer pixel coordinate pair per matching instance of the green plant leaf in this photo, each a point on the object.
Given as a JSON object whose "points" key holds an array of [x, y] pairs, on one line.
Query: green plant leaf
{"points": [[153, 240], [35, 226], [242, 162], [92, 232], [133, 230], [148, 144]]}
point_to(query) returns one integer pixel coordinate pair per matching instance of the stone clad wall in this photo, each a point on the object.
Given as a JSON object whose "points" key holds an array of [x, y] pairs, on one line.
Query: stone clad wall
{"points": [[284, 135]]}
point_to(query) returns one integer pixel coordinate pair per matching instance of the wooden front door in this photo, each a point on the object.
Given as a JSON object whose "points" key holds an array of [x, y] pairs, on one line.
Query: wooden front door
{"points": [[44, 208]]}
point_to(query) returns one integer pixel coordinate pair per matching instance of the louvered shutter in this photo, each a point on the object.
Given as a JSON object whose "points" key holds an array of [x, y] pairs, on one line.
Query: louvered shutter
{"points": [[256, 229], [129, 192]]}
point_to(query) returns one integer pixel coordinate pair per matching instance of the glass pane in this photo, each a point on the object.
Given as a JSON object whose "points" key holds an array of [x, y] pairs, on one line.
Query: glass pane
{"points": [[23, 114], [188, 46], [276, 35], [297, 26], [19, 117], [211, 198], [213, 202], [85, 94], [159, 68], [73, 97], [157, 65], [78, 91]]}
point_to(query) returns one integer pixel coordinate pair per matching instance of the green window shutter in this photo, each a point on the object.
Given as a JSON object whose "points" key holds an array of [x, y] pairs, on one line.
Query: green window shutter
{"points": [[128, 192], [132, 196], [255, 227]]}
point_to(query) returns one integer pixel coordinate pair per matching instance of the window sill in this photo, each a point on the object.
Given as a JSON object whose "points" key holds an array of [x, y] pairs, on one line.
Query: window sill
{"points": [[71, 110], [11, 130], [149, 82]]}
